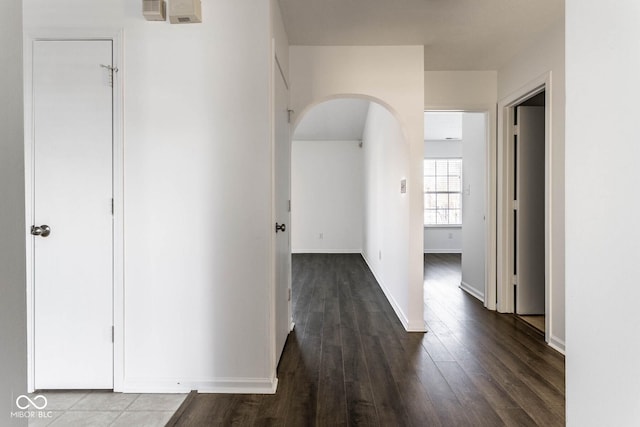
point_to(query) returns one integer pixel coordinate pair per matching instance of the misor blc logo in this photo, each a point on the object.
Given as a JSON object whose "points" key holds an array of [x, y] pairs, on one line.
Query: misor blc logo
{"points": [[31, 407]]}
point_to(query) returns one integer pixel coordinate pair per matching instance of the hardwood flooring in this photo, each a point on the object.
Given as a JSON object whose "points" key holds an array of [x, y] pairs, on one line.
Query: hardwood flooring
{"points": [[535, 321], [350, 362]]}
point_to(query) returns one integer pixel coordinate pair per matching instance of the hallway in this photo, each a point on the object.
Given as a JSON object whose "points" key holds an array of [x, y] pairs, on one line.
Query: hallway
{"points": [[350, 362]]}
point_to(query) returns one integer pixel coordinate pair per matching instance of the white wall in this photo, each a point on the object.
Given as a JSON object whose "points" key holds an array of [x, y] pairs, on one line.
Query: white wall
{"points": [[394, 75], [386, 208], [603, 243], [440, 240], [460, 89], [281, 41], [547, 54], [443, 240], [197, 190], [474, 176], [326, 197], [13, 326]]}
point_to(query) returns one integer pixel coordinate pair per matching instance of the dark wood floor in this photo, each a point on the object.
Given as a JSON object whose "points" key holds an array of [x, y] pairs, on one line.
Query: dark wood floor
{"points": [[350, 362]]}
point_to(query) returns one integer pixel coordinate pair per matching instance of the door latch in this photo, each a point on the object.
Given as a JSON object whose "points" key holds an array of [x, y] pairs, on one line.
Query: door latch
{"points": [[44, 230]]}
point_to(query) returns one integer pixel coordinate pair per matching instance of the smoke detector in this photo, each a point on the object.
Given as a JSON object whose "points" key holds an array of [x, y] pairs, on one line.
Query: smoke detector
{"points": [[185, 11], [154, 10]]}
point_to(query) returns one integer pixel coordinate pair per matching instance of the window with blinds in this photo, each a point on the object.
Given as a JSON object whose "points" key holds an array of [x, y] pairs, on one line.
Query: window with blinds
{"points": [[442, 192]]}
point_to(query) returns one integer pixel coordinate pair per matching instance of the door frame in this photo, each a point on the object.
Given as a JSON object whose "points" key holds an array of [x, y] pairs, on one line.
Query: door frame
{"points": [[490, 289], [276, 72], [116, 37], [506, 107]]}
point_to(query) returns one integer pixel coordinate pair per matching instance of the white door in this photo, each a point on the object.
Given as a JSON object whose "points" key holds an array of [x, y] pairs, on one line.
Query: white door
{"points": [[530, 213], [282, 182], [72, 167]]}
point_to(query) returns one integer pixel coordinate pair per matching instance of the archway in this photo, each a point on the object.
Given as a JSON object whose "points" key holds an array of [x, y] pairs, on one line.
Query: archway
{"points": [[350, 168]]}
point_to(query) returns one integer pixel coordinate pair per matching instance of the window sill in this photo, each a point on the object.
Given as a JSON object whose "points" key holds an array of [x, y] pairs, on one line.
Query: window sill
{"points": [[443, 226]]}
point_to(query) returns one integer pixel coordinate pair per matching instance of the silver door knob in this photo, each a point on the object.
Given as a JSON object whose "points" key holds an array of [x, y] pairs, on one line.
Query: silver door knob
{"points": [[44, 230]]}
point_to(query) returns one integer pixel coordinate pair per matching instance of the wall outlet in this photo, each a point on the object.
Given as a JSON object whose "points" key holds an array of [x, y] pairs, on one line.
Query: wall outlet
{"points": [[321, 236], [380, 255], [451, 235]]}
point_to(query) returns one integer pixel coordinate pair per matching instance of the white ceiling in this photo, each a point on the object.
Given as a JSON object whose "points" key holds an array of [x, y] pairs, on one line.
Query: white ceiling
{"points": [[456, 34], [334, 120]]}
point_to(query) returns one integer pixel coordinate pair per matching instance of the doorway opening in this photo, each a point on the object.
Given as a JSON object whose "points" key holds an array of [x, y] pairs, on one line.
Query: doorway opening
{"points": [[455, 196], [524, 261], [528, 174]]}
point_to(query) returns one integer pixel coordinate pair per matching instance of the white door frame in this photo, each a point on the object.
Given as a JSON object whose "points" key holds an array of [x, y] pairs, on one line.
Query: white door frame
{"points": [[506, 108], [276, 73], [116, 36], [490, 202]]}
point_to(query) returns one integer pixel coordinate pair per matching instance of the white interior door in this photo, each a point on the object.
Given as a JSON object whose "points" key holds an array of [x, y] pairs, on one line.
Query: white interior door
{"points": [[73, 265], [282, 182], [530, 214]]}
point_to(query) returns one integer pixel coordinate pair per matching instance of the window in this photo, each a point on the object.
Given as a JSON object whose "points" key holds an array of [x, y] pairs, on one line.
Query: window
{"points": [[442, 192]]}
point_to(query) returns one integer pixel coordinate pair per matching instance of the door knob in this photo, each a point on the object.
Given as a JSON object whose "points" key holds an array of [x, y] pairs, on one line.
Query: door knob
{"points": [[44, 230], [280, 227]]}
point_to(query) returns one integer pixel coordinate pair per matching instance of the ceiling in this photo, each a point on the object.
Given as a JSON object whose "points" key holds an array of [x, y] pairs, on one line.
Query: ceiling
{"points": [[456, 34], [335, 120]]}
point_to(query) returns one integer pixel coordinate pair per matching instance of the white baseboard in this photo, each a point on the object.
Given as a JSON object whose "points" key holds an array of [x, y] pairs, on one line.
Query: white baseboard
{"points": [[472, 291], [443, 251], [557, 344], [418, 326], [222, 385], [326, 251]]}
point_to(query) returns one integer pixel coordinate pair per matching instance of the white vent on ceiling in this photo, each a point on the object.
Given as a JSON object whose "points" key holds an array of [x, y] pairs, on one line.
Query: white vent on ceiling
{"points": [[154, 10], [185, 11]]}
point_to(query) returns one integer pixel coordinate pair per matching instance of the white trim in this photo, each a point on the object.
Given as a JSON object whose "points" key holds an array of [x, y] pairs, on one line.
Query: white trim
{"points": [[557, 344], [471, 291], [275, 72], [491, 234], [443, 251], [217, 385], [408, 326], [117, 37], [118, 212], [273, 363], [326, 251], [505, 183]]}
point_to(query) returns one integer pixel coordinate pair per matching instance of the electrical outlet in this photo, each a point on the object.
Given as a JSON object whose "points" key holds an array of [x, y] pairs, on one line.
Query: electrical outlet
{"points": [[321, 236], [450, 235], [380, 255]]}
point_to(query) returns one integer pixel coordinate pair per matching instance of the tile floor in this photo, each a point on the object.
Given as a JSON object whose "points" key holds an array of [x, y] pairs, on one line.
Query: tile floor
{"points": [[105, 408]]}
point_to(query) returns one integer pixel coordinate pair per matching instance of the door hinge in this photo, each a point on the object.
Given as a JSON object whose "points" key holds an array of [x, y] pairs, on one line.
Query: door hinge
{"points": [[289, 113], [112, 334], [288, 205], [111, 70], [516, 130], [289, 295], [516, 205], [515, 280], [112, 207]]}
